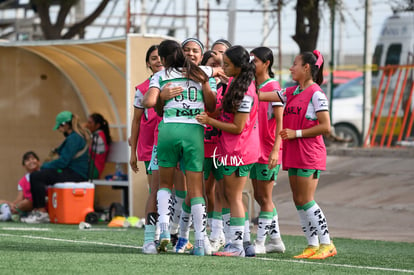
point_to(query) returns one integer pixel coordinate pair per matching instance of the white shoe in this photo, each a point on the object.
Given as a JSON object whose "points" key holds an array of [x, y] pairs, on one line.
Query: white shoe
{"points": [[259, 247], [275, 245], [37, 217], [149, 248], [207, 246], [215, 245]]}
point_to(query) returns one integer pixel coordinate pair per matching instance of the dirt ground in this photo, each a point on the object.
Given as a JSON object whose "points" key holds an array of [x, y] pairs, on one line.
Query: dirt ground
{"points": [[365, 194]]}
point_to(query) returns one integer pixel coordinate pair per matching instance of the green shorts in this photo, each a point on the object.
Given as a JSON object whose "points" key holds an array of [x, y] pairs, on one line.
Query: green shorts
{"points": [[178, 141], [241, 171], [210, 168], [261, 171], [306, 173], [147, 163]]}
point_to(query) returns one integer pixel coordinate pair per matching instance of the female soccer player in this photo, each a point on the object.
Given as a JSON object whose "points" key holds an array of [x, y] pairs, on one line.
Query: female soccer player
{"points": [[143, 133], [239, 143], [305, 120], [174, 141], [101, 137], [264, 172]]}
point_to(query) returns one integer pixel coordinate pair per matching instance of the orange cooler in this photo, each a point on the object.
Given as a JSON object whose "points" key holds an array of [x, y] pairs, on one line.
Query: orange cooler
{"points": [[70, 202]]}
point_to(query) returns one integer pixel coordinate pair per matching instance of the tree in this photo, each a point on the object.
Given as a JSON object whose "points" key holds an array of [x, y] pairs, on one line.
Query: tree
{"points": [[54, 31], [307, 24], [402, 5]]}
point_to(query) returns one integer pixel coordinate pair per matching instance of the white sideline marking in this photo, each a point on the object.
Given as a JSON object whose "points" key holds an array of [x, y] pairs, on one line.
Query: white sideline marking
{"points": [[104, 229], [71, 241], [256, 258], [338, 265], [25, 228]]}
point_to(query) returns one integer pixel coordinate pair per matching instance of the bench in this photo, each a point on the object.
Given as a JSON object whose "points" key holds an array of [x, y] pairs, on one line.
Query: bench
{"points": [[118, 154]]}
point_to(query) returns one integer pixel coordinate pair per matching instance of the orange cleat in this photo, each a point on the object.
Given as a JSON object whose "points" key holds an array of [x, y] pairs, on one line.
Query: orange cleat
{"points": [[324, 251], [307, 252]]}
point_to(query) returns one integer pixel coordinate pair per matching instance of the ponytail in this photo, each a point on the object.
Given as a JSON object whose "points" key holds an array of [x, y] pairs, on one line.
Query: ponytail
{"points": [[240, 84], [77, 127], [174, 59], [104, 126], [315, 61], [265, 54]]}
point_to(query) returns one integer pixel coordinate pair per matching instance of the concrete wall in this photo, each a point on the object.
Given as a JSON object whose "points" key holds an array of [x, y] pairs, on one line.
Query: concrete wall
{"points": [[32, 92], [39, 80]]}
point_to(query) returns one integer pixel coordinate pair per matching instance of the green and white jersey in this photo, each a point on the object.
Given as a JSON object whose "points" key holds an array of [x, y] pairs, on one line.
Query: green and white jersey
{"points": [[182, 108]]}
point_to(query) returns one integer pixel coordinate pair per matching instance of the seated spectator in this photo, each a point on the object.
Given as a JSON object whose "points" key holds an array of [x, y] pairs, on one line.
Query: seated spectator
{"points": [[23, 202], [71, 164], [101, 137]]}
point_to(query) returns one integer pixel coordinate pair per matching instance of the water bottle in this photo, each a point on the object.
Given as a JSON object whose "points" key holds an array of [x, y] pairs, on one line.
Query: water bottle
{"points": [[118, 173]]}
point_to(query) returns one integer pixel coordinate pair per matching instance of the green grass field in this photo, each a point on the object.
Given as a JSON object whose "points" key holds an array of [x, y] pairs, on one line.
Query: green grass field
{"points": [[65, 249]]}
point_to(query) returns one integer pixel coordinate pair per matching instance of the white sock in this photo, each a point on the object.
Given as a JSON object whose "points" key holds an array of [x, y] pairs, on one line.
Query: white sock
{"points": [[185, 220], [274, 228], [157, 232], [318, 220], [311, 236], [216, 227], [198, 211], [246, 236], [237, 227], [163, 205], [226, 227], [175, 213], [263, 228], [210, 222]]}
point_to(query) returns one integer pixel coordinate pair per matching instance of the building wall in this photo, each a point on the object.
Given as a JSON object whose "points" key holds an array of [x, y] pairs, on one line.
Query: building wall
{"points": [[32, 93]]}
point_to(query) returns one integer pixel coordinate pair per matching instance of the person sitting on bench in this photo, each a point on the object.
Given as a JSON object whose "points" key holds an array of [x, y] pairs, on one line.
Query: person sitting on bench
{"points": [[70, 165]]}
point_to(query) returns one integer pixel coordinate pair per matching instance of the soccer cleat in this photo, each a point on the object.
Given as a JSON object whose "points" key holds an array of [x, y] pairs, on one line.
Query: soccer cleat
{"points": [[189, 246], [198, 251], [249, 250], [174, 239], [181, 245], [307, 252], [259, 247], [227, 246], [37, 217], [231, 251], [275, 245], [149, 248], [216, 245], [164, 241], [324, 251], [207, 246], [157, 244]]}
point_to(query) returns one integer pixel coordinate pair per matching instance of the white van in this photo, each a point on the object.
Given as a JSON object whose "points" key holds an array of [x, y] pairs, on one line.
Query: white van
{"points": [[395, 46]]}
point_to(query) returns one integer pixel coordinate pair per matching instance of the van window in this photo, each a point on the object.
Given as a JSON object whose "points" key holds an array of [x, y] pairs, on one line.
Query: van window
{"points": [[376, 59], [393, 54]]}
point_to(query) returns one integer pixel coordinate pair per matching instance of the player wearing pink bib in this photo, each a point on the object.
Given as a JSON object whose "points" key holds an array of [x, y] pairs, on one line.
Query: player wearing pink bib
{"points": [[239, 143], [23, 202], [143, 140], [24, 186], [211, 173], [149, 122], [99, 128], [264, 172], [305, 120]]}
